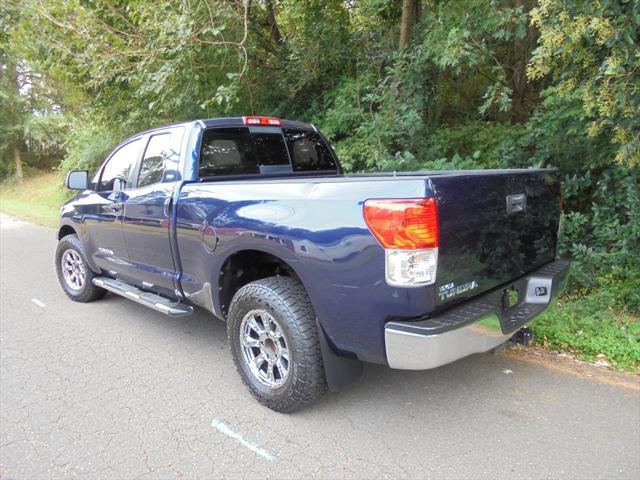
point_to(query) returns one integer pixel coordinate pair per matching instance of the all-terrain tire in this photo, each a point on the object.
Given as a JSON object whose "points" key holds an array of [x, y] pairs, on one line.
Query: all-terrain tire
{"points": [[87, 291], [284, 300]]}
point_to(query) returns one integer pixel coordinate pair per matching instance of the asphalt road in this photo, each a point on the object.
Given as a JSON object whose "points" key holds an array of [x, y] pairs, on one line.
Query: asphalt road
{"points": [[116, 391]]}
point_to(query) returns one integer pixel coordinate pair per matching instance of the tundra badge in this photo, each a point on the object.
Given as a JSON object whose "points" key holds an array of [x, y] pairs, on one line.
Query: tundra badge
{"points": [[451, 289]]}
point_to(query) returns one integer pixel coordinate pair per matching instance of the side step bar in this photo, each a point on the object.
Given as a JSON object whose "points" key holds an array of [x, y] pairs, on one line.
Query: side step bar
{"points": [[148, 299]]}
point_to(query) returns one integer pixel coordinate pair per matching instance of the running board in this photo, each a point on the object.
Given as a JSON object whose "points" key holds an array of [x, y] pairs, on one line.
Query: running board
{"points": [[148, 299]]}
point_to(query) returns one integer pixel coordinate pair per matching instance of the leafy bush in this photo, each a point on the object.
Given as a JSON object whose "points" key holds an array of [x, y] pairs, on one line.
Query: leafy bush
{"points": [[485, 141], [604, 239]]}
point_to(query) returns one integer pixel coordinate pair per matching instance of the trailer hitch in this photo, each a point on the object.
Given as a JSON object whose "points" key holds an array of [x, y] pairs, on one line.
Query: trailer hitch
{"points": [[524, 336]]}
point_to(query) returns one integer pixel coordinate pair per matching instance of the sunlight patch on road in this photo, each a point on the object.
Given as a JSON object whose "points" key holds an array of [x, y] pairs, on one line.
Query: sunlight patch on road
{"points": [[8, 222]]}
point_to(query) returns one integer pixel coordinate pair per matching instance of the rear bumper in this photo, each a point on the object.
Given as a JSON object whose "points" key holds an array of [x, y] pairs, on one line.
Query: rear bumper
{"points": [[475, 326]]}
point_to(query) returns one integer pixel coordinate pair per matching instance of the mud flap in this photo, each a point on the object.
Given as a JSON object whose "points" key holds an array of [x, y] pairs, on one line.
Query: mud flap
{"points": [[340, 371]]}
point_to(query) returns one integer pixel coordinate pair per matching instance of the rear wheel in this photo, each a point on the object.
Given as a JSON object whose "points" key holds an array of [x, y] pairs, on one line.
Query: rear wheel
{"points": [[274, 341], [74, 275]]}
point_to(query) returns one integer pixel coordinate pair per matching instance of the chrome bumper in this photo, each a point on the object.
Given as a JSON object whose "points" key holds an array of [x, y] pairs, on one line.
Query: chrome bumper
{"points": [[476, 326]]}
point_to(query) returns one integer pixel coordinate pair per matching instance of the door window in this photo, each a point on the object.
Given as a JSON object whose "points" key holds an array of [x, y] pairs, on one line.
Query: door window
{"points": [[117, 172], [153, 163], [161, 158]]}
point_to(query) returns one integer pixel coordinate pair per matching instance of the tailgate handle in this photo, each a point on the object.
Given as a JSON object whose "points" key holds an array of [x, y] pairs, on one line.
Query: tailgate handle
{"points": [[516, 203]]}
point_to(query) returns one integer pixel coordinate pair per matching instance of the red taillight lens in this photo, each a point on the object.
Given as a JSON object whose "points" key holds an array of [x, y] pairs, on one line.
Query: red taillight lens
{"points": [[262, 121], [403, 224]]}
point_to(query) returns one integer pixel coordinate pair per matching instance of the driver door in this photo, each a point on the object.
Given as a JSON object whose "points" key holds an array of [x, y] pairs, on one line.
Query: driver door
{"points": [[104, 209]]}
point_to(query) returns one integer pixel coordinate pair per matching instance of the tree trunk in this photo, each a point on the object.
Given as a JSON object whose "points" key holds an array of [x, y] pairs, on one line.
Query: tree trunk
{"points": [[18, 159], [274, 31], [14, 114], [408, 9]]}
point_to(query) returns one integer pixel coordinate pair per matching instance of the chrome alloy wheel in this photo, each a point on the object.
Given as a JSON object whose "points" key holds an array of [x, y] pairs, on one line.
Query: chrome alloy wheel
{"points": [[73, 269], [264, 348]]}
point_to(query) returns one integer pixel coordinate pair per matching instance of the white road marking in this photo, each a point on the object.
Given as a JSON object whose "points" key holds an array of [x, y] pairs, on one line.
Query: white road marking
{"points": [[506, 371], [38, 302], [223, 428]]}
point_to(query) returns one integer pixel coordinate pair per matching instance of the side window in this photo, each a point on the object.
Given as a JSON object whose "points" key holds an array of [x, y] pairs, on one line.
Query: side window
{"points": [[161, 159], [116, 173], [308, 151], [153, 162], [241, 151]]}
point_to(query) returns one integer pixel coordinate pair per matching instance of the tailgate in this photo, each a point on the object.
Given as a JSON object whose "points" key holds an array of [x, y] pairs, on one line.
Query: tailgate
{"points": [[494, 227]]}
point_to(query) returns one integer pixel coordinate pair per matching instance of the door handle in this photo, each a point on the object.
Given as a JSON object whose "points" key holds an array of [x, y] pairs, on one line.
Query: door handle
{"points": [[167, 207]]}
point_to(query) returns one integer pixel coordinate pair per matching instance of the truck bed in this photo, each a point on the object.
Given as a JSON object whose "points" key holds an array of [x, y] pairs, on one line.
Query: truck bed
{"points": [[315, 224]]}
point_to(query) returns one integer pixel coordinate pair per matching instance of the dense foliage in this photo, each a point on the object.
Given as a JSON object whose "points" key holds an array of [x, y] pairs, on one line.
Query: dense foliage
{"points": [[471, 84]]}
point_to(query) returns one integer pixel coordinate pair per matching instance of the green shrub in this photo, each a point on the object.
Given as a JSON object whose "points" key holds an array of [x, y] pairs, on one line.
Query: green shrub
{"points": [[604, 238], [485, 141]]}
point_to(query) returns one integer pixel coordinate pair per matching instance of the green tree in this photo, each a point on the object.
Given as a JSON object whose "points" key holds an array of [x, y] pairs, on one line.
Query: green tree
{"points": [[32, 127], [11, 101], [591, 52]]}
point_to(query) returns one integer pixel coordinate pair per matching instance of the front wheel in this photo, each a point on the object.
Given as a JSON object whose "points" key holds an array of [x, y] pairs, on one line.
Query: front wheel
{"points": [[274, 342], [74, 276]]}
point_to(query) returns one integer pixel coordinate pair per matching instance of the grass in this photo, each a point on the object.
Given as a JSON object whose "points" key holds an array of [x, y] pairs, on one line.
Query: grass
{"points": [[582, 325], [587, 328], [36, 199]]}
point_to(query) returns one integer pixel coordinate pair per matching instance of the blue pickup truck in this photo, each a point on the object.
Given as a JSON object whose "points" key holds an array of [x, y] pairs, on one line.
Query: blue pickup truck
{"points": [[313, 270]]}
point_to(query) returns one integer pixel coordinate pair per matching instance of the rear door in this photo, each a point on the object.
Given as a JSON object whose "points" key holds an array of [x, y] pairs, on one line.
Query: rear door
{"points": [[103, 209], [148, 213], [494, 227]]}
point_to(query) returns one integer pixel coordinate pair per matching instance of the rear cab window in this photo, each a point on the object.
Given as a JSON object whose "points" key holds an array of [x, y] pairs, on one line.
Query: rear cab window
{"points": [[263, 151], [308, 151]]}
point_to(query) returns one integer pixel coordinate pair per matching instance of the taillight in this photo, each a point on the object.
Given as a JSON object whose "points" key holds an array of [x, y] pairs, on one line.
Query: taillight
{"points": [[262, 121], [403, 224], [408, 230]]}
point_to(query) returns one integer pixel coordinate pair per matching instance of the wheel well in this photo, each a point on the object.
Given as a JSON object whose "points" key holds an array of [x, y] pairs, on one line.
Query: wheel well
{"points": [[64, 231], [245, 267]]}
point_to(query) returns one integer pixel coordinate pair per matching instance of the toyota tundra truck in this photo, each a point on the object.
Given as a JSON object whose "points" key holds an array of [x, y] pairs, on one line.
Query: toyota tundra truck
{"points": [[313, 270]]}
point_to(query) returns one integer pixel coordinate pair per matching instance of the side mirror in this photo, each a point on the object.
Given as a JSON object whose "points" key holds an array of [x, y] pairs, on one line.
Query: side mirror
{"points": [[119, 184], [77, 180]]}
